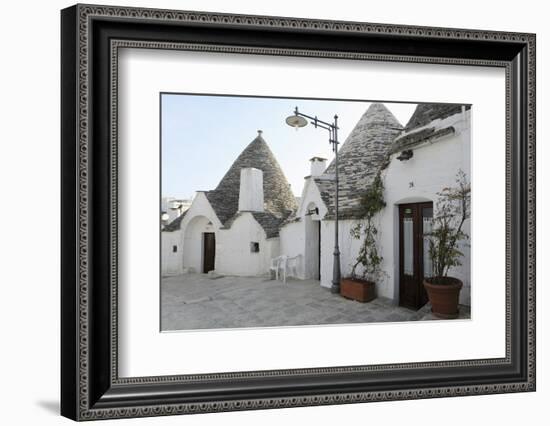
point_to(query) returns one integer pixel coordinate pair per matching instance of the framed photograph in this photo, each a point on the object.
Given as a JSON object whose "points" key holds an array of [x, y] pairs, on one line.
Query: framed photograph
{"points": [[263, 212]]}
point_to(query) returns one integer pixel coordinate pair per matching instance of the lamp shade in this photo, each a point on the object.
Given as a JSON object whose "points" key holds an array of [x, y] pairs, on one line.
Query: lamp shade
{"points": [[296, 121]]}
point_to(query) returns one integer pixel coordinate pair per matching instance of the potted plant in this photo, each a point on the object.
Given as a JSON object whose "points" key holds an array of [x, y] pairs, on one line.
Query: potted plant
{"points": [[362, 286], [452, 210]]}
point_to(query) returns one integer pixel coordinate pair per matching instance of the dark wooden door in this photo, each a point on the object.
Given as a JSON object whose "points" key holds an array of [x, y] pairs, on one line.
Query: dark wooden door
{"points": [[414, 262], [209, 252]]}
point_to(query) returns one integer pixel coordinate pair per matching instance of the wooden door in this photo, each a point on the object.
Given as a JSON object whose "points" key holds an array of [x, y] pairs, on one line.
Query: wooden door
{"points": [[209, 252], [414, 262]]}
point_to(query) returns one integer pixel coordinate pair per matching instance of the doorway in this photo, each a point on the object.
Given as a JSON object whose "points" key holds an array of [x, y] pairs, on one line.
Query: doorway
{"points": [[209, 252], [415, 220], [312, 252]]}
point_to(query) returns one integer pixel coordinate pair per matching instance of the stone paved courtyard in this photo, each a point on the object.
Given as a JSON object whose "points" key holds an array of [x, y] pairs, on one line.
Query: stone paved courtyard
{"points": [[199, 301]]}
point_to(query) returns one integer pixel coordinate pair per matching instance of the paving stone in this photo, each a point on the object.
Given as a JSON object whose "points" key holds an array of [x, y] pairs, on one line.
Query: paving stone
{"points": [[195, 301]]}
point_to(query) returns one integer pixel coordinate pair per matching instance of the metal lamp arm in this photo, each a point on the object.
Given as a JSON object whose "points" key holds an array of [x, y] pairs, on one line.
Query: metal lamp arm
{"points": [[315, 121]]}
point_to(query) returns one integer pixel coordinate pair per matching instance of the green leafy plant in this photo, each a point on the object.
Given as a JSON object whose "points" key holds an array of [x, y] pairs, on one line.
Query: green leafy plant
{"points": [[451, 211], [368, 257]]}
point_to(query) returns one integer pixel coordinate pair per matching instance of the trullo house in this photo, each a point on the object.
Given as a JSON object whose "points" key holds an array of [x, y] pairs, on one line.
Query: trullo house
{"points": [[252, 215], [233, 229]]}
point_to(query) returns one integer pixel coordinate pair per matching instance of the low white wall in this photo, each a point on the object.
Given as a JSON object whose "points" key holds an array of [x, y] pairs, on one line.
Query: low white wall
{"points": [[233, 254], [171, 262]]}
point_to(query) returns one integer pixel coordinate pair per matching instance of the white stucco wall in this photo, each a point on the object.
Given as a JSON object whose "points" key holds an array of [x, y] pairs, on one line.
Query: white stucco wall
{"points": [[311, 249], [311, 197], [299, 238], [199, 218], [251, 192], [292, 243], [193, 242], [317, 166], [432, 167], [171, 262], [233, 254], [349, 247]]}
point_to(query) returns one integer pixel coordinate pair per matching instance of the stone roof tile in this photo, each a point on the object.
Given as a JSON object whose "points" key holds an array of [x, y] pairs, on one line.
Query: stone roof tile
{"points": [[363, 154], [175, 224], [279, 200], [270, 222]]}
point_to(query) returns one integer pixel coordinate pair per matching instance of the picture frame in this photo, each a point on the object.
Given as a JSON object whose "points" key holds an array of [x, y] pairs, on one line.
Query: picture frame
{"points": [[90, 385]]}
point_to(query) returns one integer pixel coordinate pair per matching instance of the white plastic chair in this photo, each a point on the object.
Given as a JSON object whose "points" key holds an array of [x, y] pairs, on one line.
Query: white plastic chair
{"points": [[287, 265], [276, 265], [290, 266]]}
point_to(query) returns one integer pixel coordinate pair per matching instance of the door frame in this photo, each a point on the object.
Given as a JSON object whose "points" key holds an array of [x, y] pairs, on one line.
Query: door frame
{"points": [[203, 266], [421, 297]]}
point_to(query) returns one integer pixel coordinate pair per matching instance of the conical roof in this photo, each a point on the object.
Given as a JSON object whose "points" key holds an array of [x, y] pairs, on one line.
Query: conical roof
{"points": [[279, 200], [361, 156]]}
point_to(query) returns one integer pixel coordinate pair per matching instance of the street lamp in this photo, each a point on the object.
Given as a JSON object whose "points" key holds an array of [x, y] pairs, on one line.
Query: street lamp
{"points": [[298, 120]]}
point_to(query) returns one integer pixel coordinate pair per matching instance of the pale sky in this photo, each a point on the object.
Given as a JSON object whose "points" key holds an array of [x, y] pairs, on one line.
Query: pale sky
{"points": [[203, 135]]}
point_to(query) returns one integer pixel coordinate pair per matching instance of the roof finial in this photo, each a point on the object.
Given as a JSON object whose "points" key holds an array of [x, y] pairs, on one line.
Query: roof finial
{"points": [[260, 132]]}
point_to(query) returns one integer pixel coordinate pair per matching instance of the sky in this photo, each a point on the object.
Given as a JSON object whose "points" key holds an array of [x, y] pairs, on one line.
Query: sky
{"points": [[203, 135]]}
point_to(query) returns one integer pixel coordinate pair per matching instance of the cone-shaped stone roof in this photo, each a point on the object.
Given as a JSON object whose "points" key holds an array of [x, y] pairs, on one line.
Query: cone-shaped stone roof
{"points": [[279, 200], [361, 156]]}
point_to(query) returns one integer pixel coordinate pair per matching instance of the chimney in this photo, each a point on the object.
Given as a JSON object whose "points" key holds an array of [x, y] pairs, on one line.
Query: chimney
{"points": [[251, 192], [318, 166]]}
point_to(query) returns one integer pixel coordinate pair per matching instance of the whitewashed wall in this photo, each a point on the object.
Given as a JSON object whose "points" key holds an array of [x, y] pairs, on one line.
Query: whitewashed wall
{"points": [[296, 239], [193, 244], [199, 218], [251, 192], [233, 255], [433, 167], [171, 262], [349, 247], [311, 249], [296, 236], [292, 243]]}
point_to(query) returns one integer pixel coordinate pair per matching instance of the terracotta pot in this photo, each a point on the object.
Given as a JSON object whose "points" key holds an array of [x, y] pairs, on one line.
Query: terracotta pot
{"points": [[443, 296], [356, 289]]}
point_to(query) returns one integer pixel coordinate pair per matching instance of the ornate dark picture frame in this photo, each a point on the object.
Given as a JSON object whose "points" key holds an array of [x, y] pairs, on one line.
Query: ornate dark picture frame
{"points": [[90, 386]]}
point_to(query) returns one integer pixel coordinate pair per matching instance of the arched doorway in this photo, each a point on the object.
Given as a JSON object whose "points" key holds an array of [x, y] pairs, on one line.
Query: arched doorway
{"points": [[199, 245], [312, 256]]}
